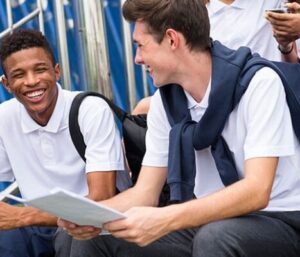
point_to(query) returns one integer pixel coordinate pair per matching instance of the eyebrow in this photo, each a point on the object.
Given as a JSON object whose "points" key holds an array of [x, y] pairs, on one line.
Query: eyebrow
{"points": [[35, 65], [41, 63], [16, 70]]}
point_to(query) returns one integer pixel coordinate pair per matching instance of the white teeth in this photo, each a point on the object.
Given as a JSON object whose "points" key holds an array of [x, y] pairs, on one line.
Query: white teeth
{"points": [[35, 93]]}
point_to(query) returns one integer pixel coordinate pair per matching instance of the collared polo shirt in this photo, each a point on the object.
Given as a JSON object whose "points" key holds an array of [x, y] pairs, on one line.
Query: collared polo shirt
{"points": [[41, 158], [259, 126], [242, 23]]}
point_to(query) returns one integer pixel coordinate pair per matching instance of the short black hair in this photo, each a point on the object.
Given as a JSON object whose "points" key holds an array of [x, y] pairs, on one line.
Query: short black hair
{"points": [[23, 39]]}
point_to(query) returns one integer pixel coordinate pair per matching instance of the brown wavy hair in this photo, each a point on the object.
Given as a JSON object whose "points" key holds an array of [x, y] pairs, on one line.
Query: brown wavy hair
{"points": [[188, 17]]}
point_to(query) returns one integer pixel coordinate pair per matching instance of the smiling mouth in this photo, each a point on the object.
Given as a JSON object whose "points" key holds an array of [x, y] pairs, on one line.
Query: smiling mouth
{"points": [[35, 94]]}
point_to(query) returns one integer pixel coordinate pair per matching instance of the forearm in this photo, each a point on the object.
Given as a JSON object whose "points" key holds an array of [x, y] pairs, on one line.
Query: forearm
{"points": [[236, 200], [249, 194], [144, 225], [145, 192], [101, 185], [16, 217], [131, 198]]}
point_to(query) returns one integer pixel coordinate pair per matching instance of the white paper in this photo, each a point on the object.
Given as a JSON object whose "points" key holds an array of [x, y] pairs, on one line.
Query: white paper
{"points": [[72, 207]]}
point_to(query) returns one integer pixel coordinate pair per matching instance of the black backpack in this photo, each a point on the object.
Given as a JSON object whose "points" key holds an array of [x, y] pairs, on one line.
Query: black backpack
{"points": [[134, 129]]}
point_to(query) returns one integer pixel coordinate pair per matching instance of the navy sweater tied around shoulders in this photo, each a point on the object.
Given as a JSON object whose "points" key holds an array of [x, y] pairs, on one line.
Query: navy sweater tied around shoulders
{"points": [[231, 73]]}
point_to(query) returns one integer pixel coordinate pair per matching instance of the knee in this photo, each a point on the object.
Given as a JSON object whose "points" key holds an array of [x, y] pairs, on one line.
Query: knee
{"points": [[93, 247], [62, 243], [80, 248], [217, 239]]}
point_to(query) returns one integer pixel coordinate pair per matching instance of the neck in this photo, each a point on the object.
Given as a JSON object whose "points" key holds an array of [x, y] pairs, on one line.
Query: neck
{"points": [[42, 119], [196, 74]]}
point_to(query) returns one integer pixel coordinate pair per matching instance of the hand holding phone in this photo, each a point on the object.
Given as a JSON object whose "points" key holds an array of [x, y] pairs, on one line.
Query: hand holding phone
{"points": [[278, 10]]}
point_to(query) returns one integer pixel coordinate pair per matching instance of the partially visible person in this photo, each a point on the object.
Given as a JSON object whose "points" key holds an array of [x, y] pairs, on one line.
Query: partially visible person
{"points": [[286, 30], [36, 149], [237, 23], [229, 155], [142, 106]]}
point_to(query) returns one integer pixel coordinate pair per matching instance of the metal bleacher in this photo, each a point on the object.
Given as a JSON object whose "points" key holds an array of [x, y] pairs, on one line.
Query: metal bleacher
{"points": [[91, 42]]}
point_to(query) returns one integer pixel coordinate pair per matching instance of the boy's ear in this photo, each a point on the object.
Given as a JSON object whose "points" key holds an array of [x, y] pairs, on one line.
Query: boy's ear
{"points": [[173, 38], [5, 83], [57, 71]]}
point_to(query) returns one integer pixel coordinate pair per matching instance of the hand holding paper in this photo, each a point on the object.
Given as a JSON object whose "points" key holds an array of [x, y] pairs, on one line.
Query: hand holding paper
{"points": [[72, 207]]}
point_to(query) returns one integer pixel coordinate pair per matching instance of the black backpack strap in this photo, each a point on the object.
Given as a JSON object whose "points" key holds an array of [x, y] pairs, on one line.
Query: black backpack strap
{"points": [[74, 128]]}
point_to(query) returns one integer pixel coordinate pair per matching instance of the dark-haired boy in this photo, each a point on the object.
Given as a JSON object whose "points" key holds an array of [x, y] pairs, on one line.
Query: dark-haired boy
{"points": [[36, 148]]}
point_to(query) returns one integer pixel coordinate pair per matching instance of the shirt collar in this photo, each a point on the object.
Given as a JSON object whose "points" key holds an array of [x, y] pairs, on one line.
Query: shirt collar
{"points": [[215, 6], [192, 103], [56, 119]]}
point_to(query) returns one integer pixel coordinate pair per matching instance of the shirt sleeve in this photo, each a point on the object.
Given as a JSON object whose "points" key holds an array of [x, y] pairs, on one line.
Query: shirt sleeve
{"points": [[102, 138], [6, 173], [298, 47], [157, 137], [267, 117]]}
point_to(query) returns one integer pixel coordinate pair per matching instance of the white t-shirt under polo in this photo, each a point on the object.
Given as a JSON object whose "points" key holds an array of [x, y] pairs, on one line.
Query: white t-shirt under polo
{"points": [[41, 158], [260, 126], [242, 23]]}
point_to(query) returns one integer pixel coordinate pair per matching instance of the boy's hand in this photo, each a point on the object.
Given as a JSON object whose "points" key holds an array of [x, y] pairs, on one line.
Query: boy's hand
{"points": [[79, 232]]}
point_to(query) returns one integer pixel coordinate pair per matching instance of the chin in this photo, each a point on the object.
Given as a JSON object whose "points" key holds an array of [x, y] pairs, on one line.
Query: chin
{"points": [[157, 83]]}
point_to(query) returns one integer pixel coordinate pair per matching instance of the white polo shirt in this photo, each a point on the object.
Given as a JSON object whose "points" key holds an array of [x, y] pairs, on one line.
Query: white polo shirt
{"points": [[41, 158], [260, 126], [242, 23]]}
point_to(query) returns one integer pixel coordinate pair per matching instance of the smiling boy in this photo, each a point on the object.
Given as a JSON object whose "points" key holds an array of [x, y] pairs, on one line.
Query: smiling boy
{"points": [[36, 148], [229, 155]]}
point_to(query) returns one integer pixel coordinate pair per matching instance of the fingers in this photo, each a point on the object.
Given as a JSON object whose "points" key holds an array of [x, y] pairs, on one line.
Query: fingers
{"points": [[79, 232], [115, 226], [274, 17], [284, 27], [65, 224], [84, 233], [294, 7], [121, 229], [280, 33]]}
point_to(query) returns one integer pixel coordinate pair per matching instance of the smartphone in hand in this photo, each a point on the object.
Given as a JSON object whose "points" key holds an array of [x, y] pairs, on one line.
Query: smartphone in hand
{"points": [[278, 10]]}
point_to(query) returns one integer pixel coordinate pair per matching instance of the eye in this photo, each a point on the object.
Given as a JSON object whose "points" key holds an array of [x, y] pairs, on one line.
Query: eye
{"points": [[138, 45], [17, 75], [41, 69]]}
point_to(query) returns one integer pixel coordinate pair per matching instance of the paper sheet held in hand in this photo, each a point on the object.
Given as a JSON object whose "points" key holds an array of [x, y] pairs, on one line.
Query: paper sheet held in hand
{"points": [[72, 207]]}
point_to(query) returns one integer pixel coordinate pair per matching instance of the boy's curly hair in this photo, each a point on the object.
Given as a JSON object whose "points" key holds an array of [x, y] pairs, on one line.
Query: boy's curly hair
{"points": [[23, 39]]}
